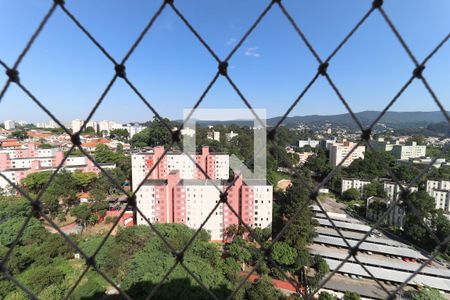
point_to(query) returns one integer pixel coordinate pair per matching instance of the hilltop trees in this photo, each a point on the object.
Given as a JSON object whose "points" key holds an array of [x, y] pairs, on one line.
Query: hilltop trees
{"points": [[155, 134]]}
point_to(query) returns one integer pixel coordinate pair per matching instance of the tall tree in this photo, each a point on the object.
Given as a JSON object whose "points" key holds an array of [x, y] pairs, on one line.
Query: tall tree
{"points": [[301, 231], [104, 155], [119, 134], [156, 134], [413, 224]]}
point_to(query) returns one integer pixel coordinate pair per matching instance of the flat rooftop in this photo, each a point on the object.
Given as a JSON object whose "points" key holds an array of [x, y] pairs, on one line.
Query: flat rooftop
{"points": [[357, 236], [377, 261], [390, 275], [367, 246], [344, 225]]}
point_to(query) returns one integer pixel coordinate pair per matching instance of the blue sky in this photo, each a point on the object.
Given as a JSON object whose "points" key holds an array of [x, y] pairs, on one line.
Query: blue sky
{"points": [[171, 68]]}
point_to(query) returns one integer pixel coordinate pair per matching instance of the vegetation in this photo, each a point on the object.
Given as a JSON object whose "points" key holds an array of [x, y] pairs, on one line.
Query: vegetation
{"points": [[351, 194], [427, 293], [326, 296], [351, 296], [61, 196], [20, 134], [135, 258], [374, 189], [119, 134], [414, 228], [288, 255], [155, 134]]}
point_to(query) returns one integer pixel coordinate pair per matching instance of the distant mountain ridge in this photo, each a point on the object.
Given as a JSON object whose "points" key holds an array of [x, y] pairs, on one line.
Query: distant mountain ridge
{"points": [[390, 119]]}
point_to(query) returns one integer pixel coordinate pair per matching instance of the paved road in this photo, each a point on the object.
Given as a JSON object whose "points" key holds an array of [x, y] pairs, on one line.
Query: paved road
{"points": [[73, 228]]}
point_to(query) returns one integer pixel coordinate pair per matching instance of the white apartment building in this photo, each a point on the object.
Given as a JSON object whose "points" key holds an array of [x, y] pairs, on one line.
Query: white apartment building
{"points": [[349, 183], [92, 124], [440, 191], [49, 125], [262, 200], [437, 185], [201, 197], [441, 198], [26, 163], [394, 217], [393, 190], [410, 150], [213, 135], [308, 142], [9, 124], [76, 125], [107, 126], [328, 143], [339, 151]]}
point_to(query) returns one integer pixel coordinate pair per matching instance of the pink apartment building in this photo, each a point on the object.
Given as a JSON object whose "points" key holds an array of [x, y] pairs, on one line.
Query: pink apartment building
{"points": [[173, 195], [17, 163]]}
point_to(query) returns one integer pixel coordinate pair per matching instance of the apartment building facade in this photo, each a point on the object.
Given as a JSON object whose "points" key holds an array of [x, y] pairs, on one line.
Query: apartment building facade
{"points": [[176, 193], [393, 191], [410, 150], [339, 152], [216, 165], [440, 191], [349, 183], [308, 142], [17, 163]]}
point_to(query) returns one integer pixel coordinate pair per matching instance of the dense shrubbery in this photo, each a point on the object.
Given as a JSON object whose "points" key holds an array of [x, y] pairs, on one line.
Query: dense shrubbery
{"points": [[135, 257]]}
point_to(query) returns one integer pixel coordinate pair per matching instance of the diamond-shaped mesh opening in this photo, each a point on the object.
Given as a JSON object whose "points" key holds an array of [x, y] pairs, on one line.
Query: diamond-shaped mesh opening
{"points": [[177, 265]]}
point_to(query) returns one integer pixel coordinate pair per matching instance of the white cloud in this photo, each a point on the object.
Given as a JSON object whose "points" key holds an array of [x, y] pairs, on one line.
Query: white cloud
{"points": [[252, 51], [231, 41]]}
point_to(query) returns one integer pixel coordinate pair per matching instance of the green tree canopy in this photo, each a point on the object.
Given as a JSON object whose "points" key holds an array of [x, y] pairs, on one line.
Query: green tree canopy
{"points": [[301, 232], [120, 134], [413, 227], [326, 296], [262, 289], [34, 182], [374, 189], [103, 154], [284, 254], [351, 194], [155, 134], [427, 293], [351, 296]]}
